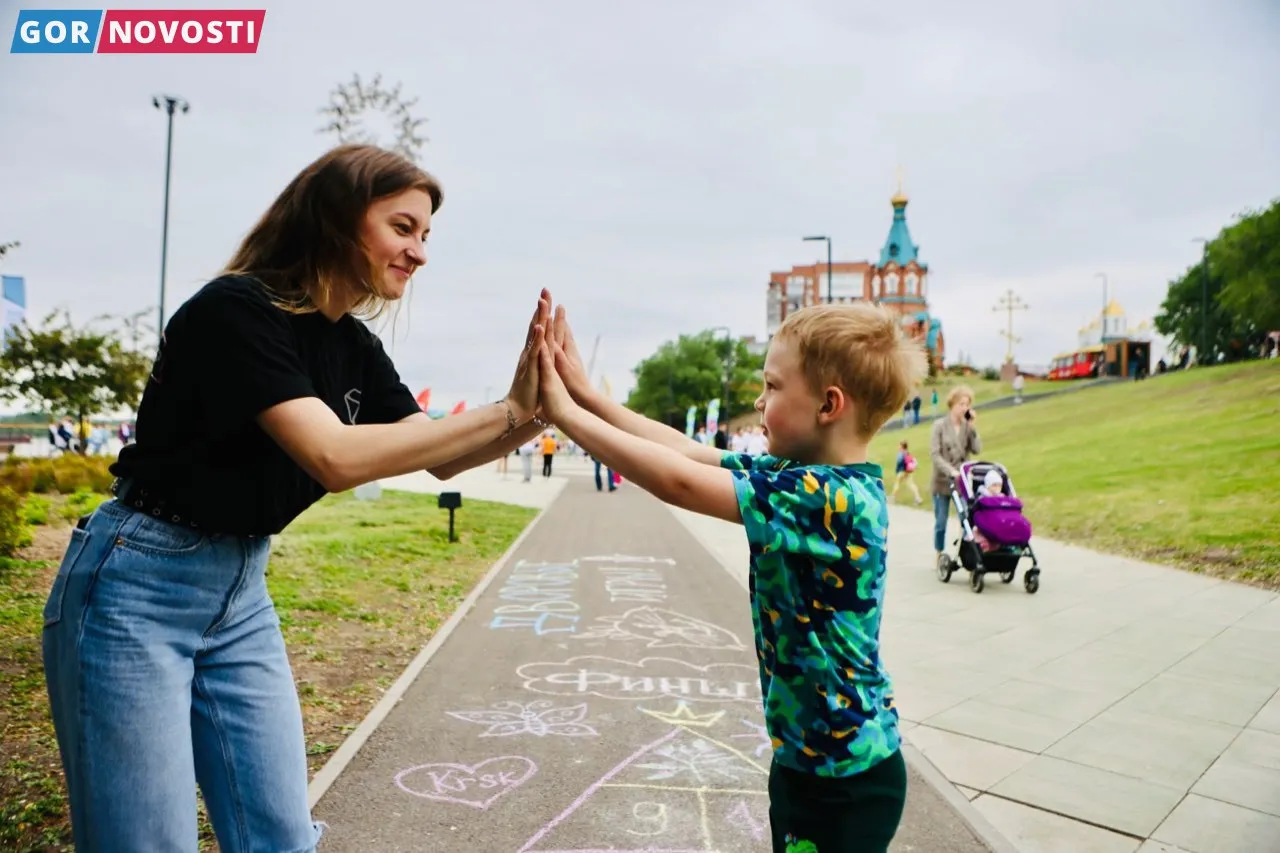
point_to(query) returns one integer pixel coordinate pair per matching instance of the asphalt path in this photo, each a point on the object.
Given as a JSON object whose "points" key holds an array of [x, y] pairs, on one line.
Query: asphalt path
{"points": [[601, 695]]}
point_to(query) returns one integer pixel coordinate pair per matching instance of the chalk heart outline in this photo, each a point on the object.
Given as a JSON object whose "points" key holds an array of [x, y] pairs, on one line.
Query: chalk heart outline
{"points": [[471, 771]]}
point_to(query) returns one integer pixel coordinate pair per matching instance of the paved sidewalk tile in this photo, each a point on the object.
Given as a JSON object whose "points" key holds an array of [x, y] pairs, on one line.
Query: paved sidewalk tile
{"points": [[1124, 696], [602, 695]]}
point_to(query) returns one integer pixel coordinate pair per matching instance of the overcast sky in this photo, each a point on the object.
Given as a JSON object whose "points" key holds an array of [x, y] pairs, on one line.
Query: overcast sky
{"points": [[652, 162]]}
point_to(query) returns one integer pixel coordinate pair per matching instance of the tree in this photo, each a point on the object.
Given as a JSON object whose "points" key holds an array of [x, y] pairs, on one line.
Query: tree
{"points": [[1242, 291], [81, 372], [692, 371], [1247, 257], [1182, 317]]}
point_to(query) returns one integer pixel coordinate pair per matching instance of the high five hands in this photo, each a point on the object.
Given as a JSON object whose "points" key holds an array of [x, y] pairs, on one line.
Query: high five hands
{"points": [[550, 377]]}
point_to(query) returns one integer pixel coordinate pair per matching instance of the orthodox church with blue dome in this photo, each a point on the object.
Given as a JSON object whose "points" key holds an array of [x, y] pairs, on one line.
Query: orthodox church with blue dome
{"points": [[898, 279]]}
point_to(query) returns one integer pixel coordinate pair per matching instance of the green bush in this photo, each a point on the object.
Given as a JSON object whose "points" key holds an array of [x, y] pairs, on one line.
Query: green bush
{"points": [[65, 474], [36, 509], [14, 531], [82, 502]]}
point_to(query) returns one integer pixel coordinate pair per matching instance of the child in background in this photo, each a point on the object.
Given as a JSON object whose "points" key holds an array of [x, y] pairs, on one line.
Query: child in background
{"points": [[816, 519], [905, 468]]}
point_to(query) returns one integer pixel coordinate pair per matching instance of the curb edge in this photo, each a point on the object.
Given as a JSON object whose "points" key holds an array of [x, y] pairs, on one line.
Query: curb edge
{"points": [[329, 772]]}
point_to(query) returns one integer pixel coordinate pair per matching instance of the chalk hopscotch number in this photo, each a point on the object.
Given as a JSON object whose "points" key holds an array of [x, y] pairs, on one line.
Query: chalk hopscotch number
{"points": [[539, 719], [650, 815], [660, 629]]}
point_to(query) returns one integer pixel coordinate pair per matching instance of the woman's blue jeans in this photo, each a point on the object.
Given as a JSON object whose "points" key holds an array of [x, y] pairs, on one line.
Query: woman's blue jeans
{"points": [[941, 509], [166, 667]]}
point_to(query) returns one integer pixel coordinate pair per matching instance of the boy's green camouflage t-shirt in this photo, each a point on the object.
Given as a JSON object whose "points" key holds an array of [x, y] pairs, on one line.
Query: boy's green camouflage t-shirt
{"points": [[818, 545]]}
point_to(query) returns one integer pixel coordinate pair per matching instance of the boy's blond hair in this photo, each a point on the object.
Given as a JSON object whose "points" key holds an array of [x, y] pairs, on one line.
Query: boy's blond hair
{"points": [[860, 348]]}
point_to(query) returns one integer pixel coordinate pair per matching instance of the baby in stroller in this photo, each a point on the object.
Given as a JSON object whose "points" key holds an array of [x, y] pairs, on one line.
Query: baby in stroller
{"points": [[995, 534], [997, 517]]}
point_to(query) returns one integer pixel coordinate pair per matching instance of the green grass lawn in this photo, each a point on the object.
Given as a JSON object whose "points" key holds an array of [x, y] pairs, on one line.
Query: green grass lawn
{"points": [[1183, 468], [360, 588]]}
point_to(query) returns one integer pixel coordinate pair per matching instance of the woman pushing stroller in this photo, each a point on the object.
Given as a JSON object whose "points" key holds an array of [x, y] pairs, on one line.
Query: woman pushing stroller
{"points": [[954, 440]]}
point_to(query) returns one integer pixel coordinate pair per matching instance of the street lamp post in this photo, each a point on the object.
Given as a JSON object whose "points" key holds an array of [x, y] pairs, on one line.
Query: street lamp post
{"points": [[828, 239], [1204, 300], [170, 104], [728, 367]]}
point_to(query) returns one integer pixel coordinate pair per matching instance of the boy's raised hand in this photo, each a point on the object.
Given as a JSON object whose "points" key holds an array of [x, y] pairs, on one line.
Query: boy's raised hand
{"points": [[568, 361], [553, 396]]}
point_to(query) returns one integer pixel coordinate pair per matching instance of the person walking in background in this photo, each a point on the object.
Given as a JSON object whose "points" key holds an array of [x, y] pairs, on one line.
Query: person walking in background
{"points": [[548, 452], [915, 408], [905, 470], [610, 479], [953, 440], [526, 451]]}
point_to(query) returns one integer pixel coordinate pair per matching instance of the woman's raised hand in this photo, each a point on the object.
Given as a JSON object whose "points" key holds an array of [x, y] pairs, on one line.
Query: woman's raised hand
{"points": [[523, 396]]}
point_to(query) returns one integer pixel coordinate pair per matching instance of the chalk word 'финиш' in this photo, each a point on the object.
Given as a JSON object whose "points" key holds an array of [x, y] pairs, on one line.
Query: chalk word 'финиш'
{"points": [[610, 678]]}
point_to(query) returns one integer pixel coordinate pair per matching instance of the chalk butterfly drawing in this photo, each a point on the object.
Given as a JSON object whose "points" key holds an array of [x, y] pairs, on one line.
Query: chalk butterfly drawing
{"points": [[537, 718], [662, 629]]}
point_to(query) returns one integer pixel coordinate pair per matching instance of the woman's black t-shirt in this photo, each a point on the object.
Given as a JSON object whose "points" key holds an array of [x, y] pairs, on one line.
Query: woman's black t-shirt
{"points": [[227, 355]]}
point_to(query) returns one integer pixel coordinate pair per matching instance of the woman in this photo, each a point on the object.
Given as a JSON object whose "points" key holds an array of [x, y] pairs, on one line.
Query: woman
{"points": [[954, 439], [163, 653]]}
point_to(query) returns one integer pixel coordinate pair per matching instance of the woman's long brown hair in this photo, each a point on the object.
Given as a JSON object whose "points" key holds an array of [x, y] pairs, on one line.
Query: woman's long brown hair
{"points": [[306, 246]]}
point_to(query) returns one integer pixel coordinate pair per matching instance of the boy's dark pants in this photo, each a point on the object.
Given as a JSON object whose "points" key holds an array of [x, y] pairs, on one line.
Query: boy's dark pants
{"points": [[856, 814]]}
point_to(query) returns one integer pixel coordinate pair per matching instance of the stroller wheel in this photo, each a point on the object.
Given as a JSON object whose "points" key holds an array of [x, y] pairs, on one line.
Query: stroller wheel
{"points": [[944, 568], [976, 582], [1032, 581], [1007, 577]]}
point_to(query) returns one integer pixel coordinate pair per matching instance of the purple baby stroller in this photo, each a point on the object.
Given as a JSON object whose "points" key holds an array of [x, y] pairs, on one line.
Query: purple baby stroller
{"points": [[995, 519]]}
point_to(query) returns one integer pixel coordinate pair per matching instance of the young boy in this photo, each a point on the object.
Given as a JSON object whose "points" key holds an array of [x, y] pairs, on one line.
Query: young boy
{"points": [[816, 519]]}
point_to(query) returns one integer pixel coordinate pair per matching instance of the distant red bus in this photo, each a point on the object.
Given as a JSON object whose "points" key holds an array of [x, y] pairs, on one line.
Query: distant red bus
{"points": [[1082, 364]]}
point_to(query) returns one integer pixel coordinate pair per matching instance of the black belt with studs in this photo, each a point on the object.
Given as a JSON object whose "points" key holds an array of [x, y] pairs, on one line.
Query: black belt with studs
{"points": [[140, 498]]}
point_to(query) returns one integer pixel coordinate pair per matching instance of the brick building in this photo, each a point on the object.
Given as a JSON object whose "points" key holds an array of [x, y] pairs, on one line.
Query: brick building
{"points": [[898, 279]]}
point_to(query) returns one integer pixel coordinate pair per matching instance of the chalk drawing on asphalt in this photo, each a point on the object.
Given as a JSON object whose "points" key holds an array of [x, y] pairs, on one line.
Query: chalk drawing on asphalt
{"points": [[477, 785], [658, 628], [683, 715], [538, 597], [697, 762], [758, 733], [540, 719], [685, 792], [650, 678], [624, 559], [633, 585]]}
